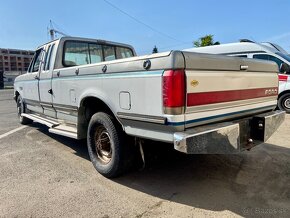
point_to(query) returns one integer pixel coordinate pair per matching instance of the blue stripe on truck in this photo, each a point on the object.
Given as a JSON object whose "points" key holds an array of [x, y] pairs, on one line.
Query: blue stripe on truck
{"points": [[217, 116], [100, 76]]}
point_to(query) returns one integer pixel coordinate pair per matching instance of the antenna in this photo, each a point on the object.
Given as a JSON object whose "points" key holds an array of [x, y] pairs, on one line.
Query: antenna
{"points": [[53, 32]]}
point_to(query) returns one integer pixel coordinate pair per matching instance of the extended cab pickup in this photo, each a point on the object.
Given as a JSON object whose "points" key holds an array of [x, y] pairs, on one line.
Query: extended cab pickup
{"points": [[200, 103]]}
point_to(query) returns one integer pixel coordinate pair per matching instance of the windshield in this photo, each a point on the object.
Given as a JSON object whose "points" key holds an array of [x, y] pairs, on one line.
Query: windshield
{"points": [[286, 57]]}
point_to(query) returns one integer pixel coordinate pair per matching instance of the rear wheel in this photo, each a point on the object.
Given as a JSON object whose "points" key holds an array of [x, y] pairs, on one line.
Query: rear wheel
{"points": [[105, 142], [21, 107], [284, 102]]}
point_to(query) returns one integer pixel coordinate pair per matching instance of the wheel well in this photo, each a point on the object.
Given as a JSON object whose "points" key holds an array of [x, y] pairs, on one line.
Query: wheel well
{"points": [[88, 107], [16, 95], [283, 93]]}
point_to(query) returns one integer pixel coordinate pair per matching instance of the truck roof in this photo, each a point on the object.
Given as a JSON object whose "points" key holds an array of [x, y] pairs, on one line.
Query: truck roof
{"points": [[64, 38]]}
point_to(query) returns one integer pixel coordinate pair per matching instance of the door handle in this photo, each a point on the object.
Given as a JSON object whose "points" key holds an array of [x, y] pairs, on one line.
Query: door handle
{"points": [[244, 67], [50, 91], [36, 77]]}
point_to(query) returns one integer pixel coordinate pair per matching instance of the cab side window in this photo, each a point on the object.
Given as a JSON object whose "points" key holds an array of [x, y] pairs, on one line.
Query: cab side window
{"points": [[268, 58], [122, 52], [36, 61], [76, 53], [49, 61], [80, 53], [47, 58], [96, 53], [109, 53]]}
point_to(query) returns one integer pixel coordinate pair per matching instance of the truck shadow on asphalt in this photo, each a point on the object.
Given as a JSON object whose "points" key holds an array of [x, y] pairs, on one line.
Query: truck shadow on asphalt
{"points": [[254, 183], [79, 146]]}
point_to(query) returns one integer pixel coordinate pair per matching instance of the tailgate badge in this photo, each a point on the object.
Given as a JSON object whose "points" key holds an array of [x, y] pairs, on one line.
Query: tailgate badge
{"points": [[194, 83], [271, 91]]}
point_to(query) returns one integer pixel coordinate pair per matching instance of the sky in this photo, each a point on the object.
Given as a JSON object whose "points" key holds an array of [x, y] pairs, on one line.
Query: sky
{"points": [[168, 24]]}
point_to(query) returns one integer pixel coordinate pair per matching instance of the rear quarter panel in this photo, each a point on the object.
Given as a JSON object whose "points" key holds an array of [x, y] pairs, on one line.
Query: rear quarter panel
{"points": [[144, 89]]}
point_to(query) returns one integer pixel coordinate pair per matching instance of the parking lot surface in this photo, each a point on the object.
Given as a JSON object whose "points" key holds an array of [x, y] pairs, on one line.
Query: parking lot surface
{"points": [[45, 175]]}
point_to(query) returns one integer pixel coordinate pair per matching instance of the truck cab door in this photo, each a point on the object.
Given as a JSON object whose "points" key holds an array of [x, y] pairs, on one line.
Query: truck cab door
{"points": [[31, 83], [64, 85], [45, 81]]}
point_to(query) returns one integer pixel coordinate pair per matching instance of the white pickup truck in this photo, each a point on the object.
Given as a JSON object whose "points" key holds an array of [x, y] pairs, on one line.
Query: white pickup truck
{"points": [[200, 103]]}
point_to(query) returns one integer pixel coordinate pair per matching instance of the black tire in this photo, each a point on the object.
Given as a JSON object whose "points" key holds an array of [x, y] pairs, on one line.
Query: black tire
{"points": [[284, 102], [21, 108], [105, 141]]}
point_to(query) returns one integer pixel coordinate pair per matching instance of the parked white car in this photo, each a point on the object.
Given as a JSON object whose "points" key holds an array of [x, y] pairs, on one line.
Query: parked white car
{"points": [[262, 51]]}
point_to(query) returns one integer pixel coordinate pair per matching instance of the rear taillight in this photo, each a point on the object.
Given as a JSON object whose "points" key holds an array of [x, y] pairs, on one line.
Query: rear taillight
{"points": [[283, 78], [174, 91]]}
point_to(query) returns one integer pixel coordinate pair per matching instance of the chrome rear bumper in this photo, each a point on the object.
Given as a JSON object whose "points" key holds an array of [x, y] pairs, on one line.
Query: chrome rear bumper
{"points": [[229, 137]]}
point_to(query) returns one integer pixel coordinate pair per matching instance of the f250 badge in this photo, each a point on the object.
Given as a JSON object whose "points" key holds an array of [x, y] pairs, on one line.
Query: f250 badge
{"points": [[194, 83], [271, 91]]}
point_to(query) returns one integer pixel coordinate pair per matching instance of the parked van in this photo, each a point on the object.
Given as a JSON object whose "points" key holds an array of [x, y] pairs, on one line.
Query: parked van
{"points": [[263, 51]]}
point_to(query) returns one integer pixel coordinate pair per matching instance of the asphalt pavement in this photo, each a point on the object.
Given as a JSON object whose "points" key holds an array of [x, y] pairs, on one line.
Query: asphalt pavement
{"points": [[45, 175]]}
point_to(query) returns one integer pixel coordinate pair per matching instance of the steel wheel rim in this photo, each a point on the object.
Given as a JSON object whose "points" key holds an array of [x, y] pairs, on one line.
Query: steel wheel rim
{"points": [[287, 103], [103, 145]]}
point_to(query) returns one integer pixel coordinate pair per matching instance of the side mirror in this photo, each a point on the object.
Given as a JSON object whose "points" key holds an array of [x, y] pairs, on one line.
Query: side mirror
{"points": [[284, 68]]}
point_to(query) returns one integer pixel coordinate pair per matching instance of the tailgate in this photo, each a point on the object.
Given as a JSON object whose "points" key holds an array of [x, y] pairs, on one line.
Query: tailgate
{"points": [[222, 88]]}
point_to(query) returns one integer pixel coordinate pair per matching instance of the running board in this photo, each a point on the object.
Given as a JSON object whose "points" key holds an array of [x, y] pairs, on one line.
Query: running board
{"points": [[54, 127], [42, 120], [64, 130]]}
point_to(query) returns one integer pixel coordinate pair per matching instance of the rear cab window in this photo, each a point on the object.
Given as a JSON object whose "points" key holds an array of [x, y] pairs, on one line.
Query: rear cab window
{"points": [[76, 53]]}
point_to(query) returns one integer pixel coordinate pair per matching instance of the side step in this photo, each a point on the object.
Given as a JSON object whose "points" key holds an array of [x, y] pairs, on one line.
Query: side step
{"points": [[39, 119], [64, 130], [54, 127]]}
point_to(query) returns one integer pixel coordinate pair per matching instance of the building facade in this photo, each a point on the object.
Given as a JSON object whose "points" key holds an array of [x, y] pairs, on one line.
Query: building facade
{"points": [[13, 62]]}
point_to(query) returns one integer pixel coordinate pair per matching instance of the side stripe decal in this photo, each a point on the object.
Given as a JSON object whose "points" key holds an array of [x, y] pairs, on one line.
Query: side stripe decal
{"points": [[218, 116], [203, 98]]}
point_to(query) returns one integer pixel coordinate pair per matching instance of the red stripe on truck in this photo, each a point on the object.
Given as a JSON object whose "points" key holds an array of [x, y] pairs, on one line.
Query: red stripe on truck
{"points": [[283, 78], [202, 98]]}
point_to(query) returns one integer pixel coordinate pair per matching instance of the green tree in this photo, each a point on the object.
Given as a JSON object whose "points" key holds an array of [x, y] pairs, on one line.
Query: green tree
{"points": [[155, 50], [205, 41]]}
